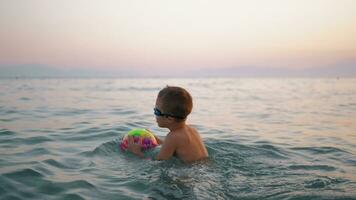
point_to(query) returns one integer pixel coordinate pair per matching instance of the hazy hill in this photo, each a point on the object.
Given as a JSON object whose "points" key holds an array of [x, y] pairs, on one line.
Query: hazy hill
{"points": [[33, 70]]}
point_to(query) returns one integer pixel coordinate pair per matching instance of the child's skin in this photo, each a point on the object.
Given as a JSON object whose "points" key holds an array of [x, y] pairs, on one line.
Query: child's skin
{"points": [[182, 140]]}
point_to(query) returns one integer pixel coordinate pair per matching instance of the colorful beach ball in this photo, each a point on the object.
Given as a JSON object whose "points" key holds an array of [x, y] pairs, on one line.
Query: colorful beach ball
{"points": [[142, 137]]}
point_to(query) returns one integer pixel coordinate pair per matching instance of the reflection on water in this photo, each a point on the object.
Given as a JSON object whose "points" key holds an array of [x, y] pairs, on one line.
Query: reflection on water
{"points": [[267, 139]]}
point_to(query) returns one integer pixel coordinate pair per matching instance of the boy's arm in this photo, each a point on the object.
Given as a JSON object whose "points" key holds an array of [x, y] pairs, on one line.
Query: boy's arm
{"points": [[168, 148], [166, 152], [159, 141]]}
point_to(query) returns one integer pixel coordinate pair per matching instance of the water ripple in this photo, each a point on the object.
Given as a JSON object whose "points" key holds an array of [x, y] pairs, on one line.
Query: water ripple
{"points": [[25, 173], [5, 132], [28, 141], [320, 150], [312, 167], [322, 182]]}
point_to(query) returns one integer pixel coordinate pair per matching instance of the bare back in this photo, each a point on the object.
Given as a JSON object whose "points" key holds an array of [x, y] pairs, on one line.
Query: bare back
{"points": [[189, 145]]}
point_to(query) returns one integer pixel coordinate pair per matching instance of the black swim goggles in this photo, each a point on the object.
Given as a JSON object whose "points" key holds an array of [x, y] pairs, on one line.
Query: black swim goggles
{"points": [[158, 113]]}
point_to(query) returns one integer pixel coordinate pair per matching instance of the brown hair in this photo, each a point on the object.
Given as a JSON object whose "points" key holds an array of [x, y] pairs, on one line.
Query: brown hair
{"points": [[176, 101]]}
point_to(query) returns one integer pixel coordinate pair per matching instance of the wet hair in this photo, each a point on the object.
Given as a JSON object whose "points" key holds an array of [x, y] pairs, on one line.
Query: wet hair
{"points": [[176, 101]]}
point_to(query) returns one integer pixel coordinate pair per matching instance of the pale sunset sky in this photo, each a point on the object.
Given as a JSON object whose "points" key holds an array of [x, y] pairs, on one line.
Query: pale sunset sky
{"points": [[178, 36]]}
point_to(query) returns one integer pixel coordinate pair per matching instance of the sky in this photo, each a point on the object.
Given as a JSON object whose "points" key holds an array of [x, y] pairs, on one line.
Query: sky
{"points": [[170, 37]]}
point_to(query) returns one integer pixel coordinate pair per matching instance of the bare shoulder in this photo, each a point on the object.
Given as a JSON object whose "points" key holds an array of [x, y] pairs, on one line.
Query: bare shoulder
{"points": [[179, 136], [172, 138], [194, 131]]}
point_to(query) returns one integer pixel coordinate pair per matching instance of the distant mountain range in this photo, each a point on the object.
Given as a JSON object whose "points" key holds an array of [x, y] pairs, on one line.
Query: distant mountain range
{"points": [[33, 70]]}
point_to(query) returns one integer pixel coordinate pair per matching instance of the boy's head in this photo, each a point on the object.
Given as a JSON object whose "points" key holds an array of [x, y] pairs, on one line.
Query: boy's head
{"points": [[174, 102]]}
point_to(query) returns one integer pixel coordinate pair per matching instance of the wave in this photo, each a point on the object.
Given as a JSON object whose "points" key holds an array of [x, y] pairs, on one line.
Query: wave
{"points": [[320, 150], [323, 181], [28, 141], [58, 164], [312, 167], [6, 132], [24, 173], [31, 184], [89, 134], [110, 148]]}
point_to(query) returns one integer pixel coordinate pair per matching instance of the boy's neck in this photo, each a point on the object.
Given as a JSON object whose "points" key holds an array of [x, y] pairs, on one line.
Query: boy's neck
{"points": [[176, 126]]}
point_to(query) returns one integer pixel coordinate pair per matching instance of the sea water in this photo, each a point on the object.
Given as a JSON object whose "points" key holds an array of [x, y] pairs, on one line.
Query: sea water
{"points": [[267, 139]]}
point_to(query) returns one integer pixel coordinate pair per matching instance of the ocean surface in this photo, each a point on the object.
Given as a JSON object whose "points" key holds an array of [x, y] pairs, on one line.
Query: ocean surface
{"points": [[268, 138]]}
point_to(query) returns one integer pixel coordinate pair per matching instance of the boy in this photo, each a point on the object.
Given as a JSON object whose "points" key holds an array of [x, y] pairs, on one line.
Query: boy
{"points": [[173, 105]]}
